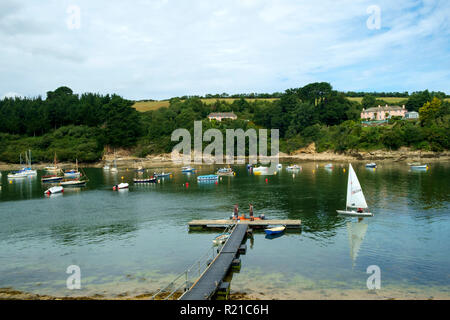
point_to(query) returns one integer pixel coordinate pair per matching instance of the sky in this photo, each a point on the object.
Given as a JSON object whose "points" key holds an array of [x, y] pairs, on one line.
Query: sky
{"points": [[158, 49]]}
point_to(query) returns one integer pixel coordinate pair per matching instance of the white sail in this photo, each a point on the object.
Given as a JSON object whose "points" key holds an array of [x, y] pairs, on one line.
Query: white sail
{"points": [[355, 196], [356, 233]]}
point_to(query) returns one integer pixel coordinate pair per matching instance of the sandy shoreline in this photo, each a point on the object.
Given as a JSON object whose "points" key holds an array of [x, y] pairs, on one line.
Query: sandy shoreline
{"points": [[324, 294], [307, 154]]}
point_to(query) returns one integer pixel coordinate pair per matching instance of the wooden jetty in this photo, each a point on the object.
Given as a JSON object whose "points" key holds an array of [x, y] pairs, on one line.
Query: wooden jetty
{"points": [[256, 224], [211, 279]]}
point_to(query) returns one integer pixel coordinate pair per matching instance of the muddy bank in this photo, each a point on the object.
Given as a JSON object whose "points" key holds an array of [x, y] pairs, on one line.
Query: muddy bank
{"points": [[324, 294], [305, 154]]}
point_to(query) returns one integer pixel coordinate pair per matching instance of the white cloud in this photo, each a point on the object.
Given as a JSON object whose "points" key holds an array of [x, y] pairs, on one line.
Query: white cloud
{"points": [[160, 48]]}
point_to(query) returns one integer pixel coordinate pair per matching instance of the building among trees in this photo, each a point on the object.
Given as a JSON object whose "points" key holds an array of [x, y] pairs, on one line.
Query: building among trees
{"points": [[383, 113], [221, 116]]}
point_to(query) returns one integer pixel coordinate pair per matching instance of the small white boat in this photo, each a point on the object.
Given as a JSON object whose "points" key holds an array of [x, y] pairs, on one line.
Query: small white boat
{"points": [[420, 167], [275, 230], [356, 202], [73, 183], [294, 167], [329, 166], [17, 175], [280, 166], [221, 238], [260, 171], [371, 165], [121, 186], [106, 167], [225, 172], [54, 190], [187, 169]]}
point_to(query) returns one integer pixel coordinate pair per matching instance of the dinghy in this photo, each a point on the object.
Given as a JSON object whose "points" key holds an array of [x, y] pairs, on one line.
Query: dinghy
{"points": [[221, 238], [258, 171], [121, 186], [54, 190], [162, 174], [73, 183], [294, 167], [51, 179], [225, 172], [275, 230], [420, 167], [187, 170], [144, 181], [356, 202], [371, 165], [329, 166], [210, 177]]}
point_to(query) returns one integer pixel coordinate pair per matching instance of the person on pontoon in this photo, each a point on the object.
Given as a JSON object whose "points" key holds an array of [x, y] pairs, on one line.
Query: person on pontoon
{"points": [[251, 212], [236, 211]]}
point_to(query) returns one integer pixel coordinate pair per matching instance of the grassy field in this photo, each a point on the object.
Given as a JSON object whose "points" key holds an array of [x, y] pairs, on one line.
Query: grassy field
{"points": [[392, 100], [144, 106]]}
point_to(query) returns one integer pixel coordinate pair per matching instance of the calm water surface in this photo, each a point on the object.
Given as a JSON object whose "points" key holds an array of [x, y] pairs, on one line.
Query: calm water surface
{"points": [[134, 241]]}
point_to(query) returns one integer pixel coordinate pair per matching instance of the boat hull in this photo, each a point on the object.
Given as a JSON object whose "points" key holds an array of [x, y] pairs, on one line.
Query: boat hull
{"points": [[73, 184], [354, 213], [273, 231], [145, 181]]}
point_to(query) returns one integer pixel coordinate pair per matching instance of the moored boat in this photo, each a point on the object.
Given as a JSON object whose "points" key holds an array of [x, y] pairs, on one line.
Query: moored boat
{"points": [[275, 230], [162, 174], [419, 167], [187, 169], [51, 178], [121, 186], [73, 183], [225, 172], [221, 238], [54, 190], [371, 165], [144, 181], [210, 177], [329, 166], [294, 167]]}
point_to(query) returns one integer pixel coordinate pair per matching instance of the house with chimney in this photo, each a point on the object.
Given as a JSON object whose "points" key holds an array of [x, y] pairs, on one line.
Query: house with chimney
{"points": [[219, 116], [383, 113]]}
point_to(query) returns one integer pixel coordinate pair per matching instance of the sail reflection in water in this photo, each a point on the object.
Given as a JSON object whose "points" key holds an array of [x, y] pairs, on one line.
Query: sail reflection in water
{"points": [[356, 233]]}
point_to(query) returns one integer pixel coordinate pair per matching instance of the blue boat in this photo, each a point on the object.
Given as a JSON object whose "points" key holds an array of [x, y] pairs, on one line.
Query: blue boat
{"points": [[162, 175], [210, 177], [275, 230], [371, 165], [187, 170]]}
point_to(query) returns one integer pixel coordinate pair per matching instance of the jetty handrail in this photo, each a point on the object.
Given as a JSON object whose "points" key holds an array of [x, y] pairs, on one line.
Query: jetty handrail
{"points": [[211, 253]]}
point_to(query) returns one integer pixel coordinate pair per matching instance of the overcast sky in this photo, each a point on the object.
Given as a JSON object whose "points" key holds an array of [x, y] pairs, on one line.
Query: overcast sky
{"points": [[163, 48]]}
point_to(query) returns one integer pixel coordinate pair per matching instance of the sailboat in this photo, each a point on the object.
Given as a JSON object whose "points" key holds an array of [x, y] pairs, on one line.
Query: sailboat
{"points": [[73, 173], [356, 234], [355, 197], [25, 171], [53, 168]]}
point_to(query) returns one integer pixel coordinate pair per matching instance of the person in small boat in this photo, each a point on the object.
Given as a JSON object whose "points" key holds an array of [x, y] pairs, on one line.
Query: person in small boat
{"points": [[251, 212]]}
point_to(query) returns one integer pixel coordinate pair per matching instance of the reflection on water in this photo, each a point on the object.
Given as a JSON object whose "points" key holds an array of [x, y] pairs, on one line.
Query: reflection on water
{"points": [[356, 234], [143, 230]]}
